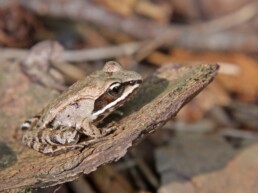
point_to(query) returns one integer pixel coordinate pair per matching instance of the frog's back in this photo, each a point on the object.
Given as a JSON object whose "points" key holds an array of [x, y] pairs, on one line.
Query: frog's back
{"points": [[85, 88]]}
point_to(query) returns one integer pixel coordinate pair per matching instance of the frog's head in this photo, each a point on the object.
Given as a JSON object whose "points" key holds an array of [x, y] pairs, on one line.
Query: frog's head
{"points": [[119, 84]]}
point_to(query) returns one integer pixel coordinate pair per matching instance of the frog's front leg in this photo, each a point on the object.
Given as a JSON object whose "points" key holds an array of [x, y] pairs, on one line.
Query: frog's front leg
{"points": [[91, 130], [52, 141]]}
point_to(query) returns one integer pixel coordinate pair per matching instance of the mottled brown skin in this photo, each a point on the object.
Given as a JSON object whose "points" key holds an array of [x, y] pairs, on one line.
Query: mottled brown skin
{"points": [[77, 111]]}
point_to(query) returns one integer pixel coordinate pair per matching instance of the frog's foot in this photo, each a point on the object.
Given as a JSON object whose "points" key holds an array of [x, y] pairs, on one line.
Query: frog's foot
{"points": [[91, 141], [108, 130], [53, 150]]}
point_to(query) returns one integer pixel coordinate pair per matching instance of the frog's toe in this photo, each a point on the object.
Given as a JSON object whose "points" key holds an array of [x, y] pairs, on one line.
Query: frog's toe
{"points": [[108, 130]]}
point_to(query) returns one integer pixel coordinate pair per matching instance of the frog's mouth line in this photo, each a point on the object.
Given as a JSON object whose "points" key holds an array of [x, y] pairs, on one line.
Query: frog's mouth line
{"points": [[118, 100]]}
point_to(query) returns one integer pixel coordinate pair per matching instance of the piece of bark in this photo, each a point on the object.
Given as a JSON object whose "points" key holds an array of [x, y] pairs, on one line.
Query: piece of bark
{"points": [[159, 98]]}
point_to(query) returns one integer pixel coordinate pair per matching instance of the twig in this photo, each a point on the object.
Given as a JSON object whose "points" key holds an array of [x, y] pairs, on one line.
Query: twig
{"points": [[79, 55], [145, 169], [221, 41], [12, 53], [231, 132], [101, 53], [81, 185], [236, 18]]}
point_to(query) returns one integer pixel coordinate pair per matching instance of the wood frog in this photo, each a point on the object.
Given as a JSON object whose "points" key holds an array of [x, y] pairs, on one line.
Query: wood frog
{"points": [[77, 112]]}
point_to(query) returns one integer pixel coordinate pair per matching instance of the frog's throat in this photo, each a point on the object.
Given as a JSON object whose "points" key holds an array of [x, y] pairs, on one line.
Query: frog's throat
{"points": [[117, 101]]}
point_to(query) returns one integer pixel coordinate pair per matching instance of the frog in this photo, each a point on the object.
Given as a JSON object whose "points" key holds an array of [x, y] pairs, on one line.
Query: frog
{"points": [[77, 113]]}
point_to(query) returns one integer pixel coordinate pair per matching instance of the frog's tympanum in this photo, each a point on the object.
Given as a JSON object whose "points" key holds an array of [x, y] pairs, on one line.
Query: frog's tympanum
{"points": [[77, 112]]}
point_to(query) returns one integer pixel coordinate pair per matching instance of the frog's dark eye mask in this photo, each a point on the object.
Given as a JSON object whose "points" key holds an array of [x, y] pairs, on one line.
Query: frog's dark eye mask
{"points": [[114, 96]]}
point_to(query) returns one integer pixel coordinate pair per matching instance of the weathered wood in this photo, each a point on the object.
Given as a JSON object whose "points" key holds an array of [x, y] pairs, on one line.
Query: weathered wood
{"points": [[159, 98]]}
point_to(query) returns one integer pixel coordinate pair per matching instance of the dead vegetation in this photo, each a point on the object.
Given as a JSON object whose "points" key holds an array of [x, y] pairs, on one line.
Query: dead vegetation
{"points": [[212, 142]]}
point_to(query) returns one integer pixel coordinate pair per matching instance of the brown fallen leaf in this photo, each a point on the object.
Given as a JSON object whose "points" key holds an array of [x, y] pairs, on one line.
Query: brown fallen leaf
{"points": [[238, 176], [197, 163], [18, 26]]}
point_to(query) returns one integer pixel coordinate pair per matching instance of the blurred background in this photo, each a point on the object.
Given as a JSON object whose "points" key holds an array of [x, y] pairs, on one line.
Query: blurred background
{"points": [[211, 146]]}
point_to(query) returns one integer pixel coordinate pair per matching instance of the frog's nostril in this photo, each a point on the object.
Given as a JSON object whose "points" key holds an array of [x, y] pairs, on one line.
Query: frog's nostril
{"points": [[133, 82], [138, 81]]}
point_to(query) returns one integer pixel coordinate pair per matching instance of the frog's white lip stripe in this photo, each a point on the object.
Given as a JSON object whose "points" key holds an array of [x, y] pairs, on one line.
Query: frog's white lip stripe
{"points": [[115, 101]]}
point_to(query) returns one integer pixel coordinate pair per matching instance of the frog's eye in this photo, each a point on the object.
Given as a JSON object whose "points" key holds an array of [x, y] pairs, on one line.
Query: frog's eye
{"points": [[116, 89]]}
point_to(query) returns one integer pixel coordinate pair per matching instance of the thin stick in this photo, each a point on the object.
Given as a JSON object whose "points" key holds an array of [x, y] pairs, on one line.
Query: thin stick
{"points": [[79, 55], [101, 53]]}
